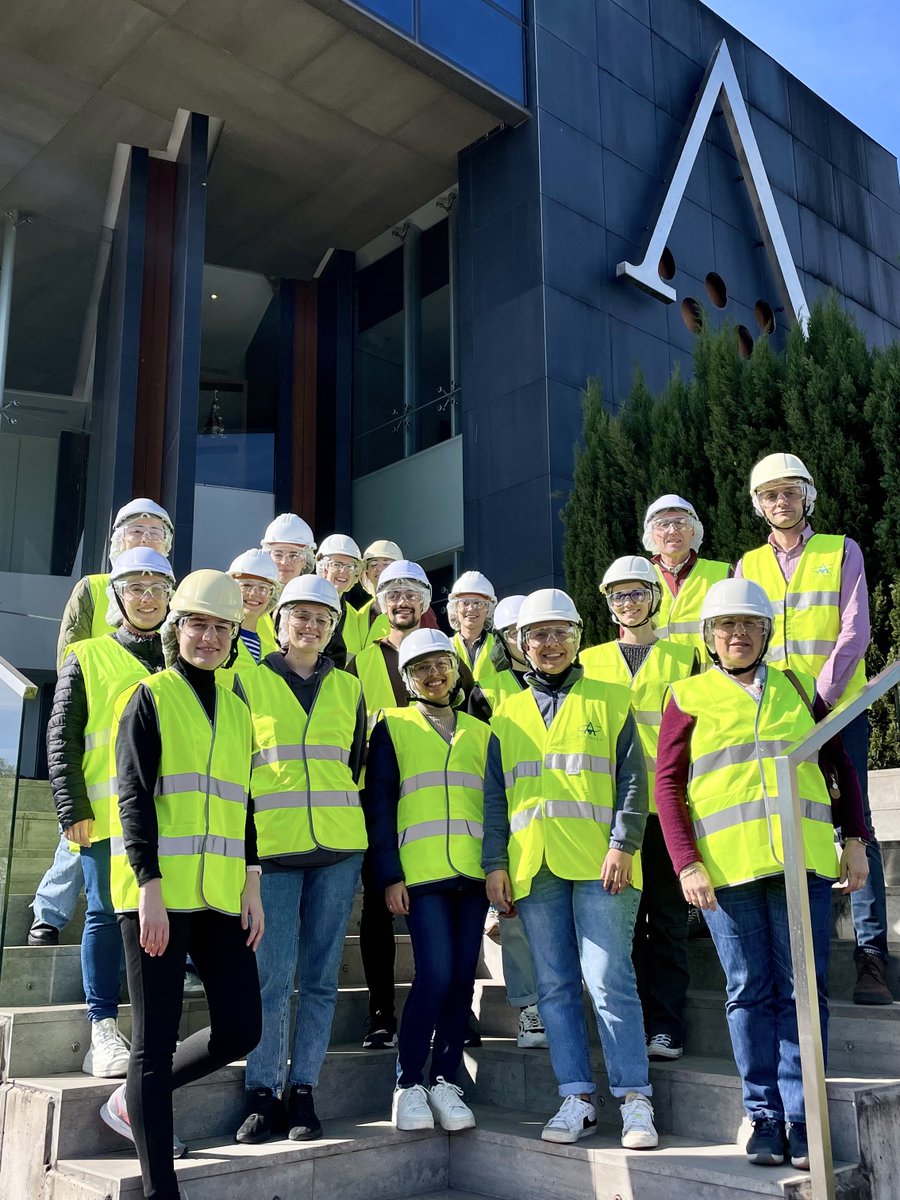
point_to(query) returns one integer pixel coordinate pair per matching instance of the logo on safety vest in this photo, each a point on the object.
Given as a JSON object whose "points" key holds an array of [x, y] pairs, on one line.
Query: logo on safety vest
{"points": [[589, 730], [823, 570]]}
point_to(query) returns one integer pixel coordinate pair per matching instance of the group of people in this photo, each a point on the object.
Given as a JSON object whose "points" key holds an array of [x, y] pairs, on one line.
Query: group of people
{"points": [[233, 754]]}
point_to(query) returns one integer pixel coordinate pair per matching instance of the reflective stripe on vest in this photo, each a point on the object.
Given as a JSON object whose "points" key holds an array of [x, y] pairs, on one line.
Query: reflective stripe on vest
{"points": [[807, 609], [441, 807], [201, 799], [560, 782], [99, 624], [732, 790], [483, 667], [666, 662], [678, 618], [304, 794], [107, 669]]}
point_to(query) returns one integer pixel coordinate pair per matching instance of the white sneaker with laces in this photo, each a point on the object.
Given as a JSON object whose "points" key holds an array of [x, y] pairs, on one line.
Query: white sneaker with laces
{"points": [[638, 1130], [115, 1115], [446, 1100], [109, 1052], [532, 1034], [576, 1119], [410, 1108], [663, 1045]]}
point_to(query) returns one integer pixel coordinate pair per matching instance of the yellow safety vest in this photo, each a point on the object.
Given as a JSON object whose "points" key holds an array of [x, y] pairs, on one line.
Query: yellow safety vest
{"points": [[99, 623], [678, 619], [201, 800], [380, 626], [665, 662], [498, 685], [304, 795], [732, 791], [107, 669], [352, 632], [807, 610], [245, 661], [561, 782], [483, 666], [440, 816], [376, 682]]}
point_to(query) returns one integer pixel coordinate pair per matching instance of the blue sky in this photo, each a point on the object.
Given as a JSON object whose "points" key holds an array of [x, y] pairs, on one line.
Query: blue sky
{"points": [[846, 50]]}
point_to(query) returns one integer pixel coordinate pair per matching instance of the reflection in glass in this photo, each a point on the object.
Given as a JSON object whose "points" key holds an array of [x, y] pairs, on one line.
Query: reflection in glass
{"points": [[398, 12], [478, 37]]}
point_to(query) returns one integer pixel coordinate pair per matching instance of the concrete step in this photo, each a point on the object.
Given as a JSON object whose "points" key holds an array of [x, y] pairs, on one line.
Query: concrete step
{"points": [[52, 974]]}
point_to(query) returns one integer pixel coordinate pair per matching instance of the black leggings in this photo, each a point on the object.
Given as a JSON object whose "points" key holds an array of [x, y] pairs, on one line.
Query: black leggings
{"points": [[227, 967]]}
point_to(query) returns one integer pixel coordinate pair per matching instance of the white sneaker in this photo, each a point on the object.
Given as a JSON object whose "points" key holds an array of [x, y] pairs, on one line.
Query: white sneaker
{"points": [[532, 1034], [446, 1100], [638, 1131], [410, 1108], [663, 1045], [115, 1115], [575, 1119], [492, 925], [109, 1052]]}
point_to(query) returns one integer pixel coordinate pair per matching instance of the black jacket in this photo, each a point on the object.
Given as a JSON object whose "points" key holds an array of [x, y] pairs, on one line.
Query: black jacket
{"points": [[68, 719]]}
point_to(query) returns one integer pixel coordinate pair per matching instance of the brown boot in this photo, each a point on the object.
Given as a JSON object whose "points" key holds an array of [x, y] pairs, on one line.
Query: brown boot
{"points": [[871, 985]]}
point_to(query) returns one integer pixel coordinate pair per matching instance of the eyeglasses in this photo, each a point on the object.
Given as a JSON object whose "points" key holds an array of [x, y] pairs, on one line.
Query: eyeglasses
{"points": [[475, 605], [377, 564], [286, 556], [727, 626], [339, 568], [301, 618], [197, 627], [556, 633], [434, 666], [145, 533], [678, 524], [137, 591], [400, 597], [620, 599], [263, 590], [789, 494]]}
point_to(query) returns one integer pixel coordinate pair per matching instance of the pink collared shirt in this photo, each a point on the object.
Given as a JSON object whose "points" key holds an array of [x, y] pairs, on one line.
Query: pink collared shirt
{"points": [[853, 640]]}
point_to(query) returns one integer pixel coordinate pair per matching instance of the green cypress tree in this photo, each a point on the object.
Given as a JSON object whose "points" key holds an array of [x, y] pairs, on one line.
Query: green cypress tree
{"points": [[882, 412]]}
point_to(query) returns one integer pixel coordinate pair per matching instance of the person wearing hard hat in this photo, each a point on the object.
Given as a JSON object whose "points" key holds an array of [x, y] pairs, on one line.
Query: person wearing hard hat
{"points": [[470, 608], [91, 612], [424, 808], [672, 536], [640, 661], [259, 581], [508, 665], [339, 560], [291, 546], [817, 583], [565, 805], [93, 674], [309, 726], [716, 791], [373, 623], [403, 595], [184, 872]]}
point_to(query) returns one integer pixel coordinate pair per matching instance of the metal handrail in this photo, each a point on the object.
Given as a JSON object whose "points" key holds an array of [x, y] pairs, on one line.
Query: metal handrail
{"points": [[16, 680], [809, 1029]]}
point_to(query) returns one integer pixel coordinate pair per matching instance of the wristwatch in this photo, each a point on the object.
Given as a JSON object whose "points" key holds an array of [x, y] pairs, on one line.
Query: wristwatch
{"points": [[255, 869]]}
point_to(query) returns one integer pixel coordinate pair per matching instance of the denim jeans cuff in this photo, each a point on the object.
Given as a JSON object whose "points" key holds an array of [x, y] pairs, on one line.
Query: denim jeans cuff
{"points": [[642, 1089], [874, 950], [577, 1089], [522, 1001]]}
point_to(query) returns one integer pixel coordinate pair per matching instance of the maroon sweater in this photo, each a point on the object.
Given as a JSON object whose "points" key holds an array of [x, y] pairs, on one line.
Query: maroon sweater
{"points": [[672, 764]]}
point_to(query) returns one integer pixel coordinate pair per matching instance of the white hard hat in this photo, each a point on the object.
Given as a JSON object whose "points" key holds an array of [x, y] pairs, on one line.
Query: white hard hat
{"points": [[141, 561], [475, 584], [781, 466], [288, 528], [507, 612], [211, 594], [339, 543], [405, 571], [665, 504], [256, 563], [548, 604], [311, 589], [383, 549], [422, 642], [736, 598], [142, 507], [630, 566]]}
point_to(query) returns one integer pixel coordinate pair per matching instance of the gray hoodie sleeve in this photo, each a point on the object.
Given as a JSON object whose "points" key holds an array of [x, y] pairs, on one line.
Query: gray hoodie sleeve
{"points": [[632, 797]]}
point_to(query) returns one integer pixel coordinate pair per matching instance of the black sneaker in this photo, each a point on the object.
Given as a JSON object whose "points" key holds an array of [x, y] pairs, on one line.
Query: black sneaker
{"points": [[766, 1144], [382, 1033], [798, 1147], [473, 1038], [261, 1114], [663, 1045], [303, 1124], [42, 934]]}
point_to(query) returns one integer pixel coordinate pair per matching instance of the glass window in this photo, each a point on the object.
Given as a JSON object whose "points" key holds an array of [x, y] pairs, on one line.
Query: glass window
{"points": [[480, 38], [511, 6], [434, 421], [378, 421], [398, 12]]}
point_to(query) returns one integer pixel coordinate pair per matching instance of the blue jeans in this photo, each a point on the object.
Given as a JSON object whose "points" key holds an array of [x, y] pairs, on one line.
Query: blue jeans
{"points": [[102, 955], [306, 918], [445, 928], [518, 967], [577, 929], [750, 932], [57, 894], [869, 904]]}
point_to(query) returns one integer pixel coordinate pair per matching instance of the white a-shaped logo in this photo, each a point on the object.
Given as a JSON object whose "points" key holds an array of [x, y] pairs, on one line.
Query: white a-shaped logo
{"points": [[720, 86]]}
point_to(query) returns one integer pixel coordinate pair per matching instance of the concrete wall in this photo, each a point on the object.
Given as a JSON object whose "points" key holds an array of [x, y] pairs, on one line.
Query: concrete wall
{"points": [[548, 210]]}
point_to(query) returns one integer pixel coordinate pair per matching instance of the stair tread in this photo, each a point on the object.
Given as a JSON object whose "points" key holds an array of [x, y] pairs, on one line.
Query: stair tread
{"points": [[843, 1008]]}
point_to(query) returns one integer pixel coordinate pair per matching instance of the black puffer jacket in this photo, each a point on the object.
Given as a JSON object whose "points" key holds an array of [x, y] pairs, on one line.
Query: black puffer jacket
{"points": [[65, 730]]}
